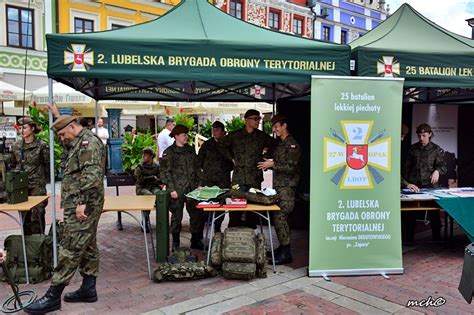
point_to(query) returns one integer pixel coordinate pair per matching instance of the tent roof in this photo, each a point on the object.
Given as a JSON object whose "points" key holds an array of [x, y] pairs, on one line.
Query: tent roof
{"points": [[428, 55], [195, 42]]}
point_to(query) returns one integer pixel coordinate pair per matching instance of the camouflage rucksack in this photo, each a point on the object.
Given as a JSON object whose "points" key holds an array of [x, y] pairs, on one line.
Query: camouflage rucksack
{"points": [[38, 254], [240, 253], [182, 265], [254, 197]]}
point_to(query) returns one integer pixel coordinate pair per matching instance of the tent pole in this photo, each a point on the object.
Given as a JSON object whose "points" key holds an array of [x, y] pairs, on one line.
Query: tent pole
{"points": [[51, 167], [96, 117], [274, 99]]}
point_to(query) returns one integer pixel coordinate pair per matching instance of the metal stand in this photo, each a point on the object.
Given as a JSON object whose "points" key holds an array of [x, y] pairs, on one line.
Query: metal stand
{"points": [[20, 299]]}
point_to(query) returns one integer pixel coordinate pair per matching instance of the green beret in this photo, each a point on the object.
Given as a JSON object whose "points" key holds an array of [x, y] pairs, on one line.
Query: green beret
{"points": [[62, 122], [251, 112], [28, 121], [148, 151], [177, 130], [423, 128]]}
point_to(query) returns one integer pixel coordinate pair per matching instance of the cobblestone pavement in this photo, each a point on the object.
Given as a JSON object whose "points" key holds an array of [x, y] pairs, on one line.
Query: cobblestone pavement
{"points": [[431, 270]]}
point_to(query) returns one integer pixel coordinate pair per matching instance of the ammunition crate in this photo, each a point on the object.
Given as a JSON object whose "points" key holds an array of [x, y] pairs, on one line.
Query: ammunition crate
{"points": [[17, 196], [15, 180]]}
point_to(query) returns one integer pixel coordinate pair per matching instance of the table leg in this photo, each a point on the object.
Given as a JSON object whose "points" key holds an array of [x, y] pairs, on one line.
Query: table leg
{"points": [[119, 221], [445, 226], [210, 239], [24, 248], [271, 240], [207, 230], [151, 238], [143, 225]]}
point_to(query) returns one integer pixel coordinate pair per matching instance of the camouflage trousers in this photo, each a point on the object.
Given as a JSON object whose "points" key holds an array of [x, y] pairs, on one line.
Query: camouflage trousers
{"points": [[34, 220], [280, 218], [78, 247], [197, 218], [147, 191]]}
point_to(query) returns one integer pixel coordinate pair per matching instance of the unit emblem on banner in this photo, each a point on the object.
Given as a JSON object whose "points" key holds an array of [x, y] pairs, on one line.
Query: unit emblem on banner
{"points": [[78, 57], [388, 67], [356, 155], [257, 91]]}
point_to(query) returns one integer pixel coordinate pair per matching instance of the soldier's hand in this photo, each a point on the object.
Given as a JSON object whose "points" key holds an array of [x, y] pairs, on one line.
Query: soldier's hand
{"points": [[81, 213], [174, 195], [3, 256], [53, 109], [265, 164], [434, 177], [413, 187]]}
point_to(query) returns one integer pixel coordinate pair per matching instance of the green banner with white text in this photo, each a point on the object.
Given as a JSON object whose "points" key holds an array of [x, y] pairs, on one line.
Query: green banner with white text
{"points": [[355, 176]]}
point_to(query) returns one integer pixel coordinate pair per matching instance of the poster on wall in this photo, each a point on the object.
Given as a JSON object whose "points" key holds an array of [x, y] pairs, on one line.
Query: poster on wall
{"points": [[355, 176]]}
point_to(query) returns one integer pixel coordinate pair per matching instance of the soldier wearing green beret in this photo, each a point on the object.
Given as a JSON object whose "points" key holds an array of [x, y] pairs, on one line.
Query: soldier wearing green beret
{"points": [[179, 172], [147, 175], [215, 167], [245, 147], [32, 155], [82, 194], [286, 175], [424, 164]]}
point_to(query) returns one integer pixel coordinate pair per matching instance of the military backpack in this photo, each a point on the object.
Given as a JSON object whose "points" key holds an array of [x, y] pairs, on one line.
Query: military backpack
{"points": [[38, 254], [239, 253]]}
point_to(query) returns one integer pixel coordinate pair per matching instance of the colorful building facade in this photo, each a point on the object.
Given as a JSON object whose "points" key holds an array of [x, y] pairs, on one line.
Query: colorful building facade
{"points": [[292, 17], [344, 21]]}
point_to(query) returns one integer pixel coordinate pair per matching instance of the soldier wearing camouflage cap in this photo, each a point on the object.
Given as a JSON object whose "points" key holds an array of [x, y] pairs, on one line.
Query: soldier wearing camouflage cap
{"points": [[82, 194], [31, 154], [424, 164], [286, 175], [148, 182], [179, 172]]}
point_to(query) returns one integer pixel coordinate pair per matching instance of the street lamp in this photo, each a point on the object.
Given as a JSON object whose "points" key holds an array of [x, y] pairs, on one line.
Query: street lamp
{"points": [[471, 24]]}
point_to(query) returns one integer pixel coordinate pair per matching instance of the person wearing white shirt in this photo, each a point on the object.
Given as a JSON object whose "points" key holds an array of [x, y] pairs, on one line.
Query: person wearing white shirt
{"points": [[164, 139], [102, 132]]}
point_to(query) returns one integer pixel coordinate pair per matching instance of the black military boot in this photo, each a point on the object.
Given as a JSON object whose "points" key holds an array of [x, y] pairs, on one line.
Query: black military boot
{"points": [[86, 293], [175, 240], [196, 242], [50, 302], [283, 257], [275, 252]]}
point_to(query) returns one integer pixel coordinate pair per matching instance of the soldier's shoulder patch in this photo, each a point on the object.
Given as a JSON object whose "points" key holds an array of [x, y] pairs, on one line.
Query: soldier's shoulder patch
{"points": [[85, 143], [293, 146], [164, 154]]}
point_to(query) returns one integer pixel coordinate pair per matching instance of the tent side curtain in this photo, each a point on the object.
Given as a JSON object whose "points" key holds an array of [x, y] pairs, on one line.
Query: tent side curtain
{"points": [[195, 42], [431, 57]]}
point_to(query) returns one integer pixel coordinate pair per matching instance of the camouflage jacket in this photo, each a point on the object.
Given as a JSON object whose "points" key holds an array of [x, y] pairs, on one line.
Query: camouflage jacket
{"points": [[84, 167], [35, 161], [179, 169], [214, 165], [286, 163], [421, 162], [246, 149], [147, 175]]}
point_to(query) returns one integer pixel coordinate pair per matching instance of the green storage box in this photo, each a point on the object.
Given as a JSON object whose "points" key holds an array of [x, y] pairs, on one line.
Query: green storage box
{"points": [[15, 180], [17, 196], [162, 226]]}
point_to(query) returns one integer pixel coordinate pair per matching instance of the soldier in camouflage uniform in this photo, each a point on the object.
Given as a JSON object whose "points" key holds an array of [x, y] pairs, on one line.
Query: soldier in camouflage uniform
{"points": [[83, 199], [425, 163], [179, 172], [246, 148], [147, 175], [32, 155], [286, 174], [215, 166]]}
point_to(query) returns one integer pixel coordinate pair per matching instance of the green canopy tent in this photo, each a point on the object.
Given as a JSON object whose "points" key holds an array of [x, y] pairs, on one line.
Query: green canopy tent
{"points": [[436, 64], [194, 52]]}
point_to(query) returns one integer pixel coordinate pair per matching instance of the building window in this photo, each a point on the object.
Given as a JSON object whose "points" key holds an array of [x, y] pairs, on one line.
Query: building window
{"points": [[116, 26], [83, 25], [298, 26], [235, 8], [274, 20], [343, 37], [326, 33], [20, 30]]}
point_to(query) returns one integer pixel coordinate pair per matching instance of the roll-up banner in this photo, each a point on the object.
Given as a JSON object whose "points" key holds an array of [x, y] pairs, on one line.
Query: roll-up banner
{"points": [[355, 176]]}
